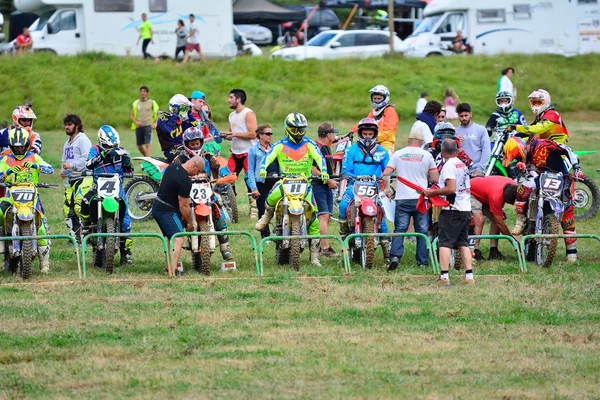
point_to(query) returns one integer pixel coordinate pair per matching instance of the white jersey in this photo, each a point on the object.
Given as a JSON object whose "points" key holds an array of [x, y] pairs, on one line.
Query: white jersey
{"points": [[76, 153], [457, 170], [237, 121], [427, 134], [413, 164]]}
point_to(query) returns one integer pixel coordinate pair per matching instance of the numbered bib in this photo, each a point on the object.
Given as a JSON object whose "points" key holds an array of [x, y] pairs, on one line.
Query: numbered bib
{"points": [[109, 187], [201, 192], [365, 189], [551, 184], [23, 195], [295, 187]]}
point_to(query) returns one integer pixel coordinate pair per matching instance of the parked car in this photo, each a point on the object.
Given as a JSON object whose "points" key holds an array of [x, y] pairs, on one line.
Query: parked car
{"points": [[2, 35], [341, 44], [245, 46], [256, 34]]}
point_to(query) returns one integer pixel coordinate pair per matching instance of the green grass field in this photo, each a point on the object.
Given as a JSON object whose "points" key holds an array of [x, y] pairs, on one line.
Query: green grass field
{"points": [[313, 334]]}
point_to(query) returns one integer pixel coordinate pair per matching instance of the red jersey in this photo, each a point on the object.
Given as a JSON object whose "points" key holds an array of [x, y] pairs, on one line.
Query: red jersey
{"points": [[489, 191], [23, 40]]}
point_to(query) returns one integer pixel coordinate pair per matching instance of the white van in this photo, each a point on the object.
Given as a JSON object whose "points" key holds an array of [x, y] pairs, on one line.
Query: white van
{"points": [[72, 26], [566, 27], [2, 35]]}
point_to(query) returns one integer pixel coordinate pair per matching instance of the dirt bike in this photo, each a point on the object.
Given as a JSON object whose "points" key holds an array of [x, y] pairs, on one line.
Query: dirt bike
{"points": [[202, 205], [337, 157], [142, 189], [365, 217], [292, 214], [225, 190], [22, 219], [545, 210], [495, 166], [106, 218]]}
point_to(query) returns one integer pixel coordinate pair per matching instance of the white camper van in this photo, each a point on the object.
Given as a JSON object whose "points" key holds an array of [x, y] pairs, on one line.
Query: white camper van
{"points": [[566, 27], [72, 26]]}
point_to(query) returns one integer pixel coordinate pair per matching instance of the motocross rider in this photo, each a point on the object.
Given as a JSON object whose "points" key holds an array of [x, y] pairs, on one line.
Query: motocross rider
{"points": [[193, 143], [108, 157], [171, 125], [22, 165], [22, 117], [547, 124], [366, 157], [295, 155], [506, 114]]}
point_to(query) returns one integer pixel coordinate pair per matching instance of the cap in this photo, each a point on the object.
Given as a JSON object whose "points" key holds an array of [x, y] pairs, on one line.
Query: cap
{"points": [[449, 146], [326, 128], [196, 94], [416, 134]]}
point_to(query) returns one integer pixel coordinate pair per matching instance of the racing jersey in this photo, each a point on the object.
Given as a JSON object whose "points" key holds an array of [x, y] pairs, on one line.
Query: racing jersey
{"points": [[358, 162], [116, 161], [387, 122], [548, 154], [35, 142], [295, 159], [501, 120], [170, 128], [25, 175], [548, 125]]}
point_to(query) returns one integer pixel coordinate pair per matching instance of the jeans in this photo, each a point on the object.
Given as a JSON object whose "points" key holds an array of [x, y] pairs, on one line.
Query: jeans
{"points": [[404, 210]]}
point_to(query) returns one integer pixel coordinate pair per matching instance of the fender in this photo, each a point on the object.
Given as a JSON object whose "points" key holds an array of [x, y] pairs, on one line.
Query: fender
{"points": [[556, 205], [202, 210], [295, 207], [110, 204], [25, 214], [368, 207], [501, 168]]}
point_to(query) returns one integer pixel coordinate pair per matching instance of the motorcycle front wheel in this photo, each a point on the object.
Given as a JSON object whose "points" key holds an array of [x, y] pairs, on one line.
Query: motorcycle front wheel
{"points": [[204, 248], [26, 261], [367, 255], [545, 247], [140, 210], [295, 245], [110, 246], [587, 199]]}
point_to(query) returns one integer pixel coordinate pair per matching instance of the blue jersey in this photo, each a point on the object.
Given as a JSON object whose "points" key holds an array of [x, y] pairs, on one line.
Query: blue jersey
{"points": [[170, 128], [357, 162], [116, 162]]}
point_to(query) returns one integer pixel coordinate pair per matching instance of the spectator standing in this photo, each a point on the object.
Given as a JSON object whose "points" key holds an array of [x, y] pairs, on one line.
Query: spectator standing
{"points": [[416, 165], [193, 40], [201, 111], [323, 191], [426, 121], [441, 117], [421, 103], [261, 187], [488, 196], [474, 139], [181, 33], [450, 101], [504, 82], [23, 42], [144, 114], [172, 205], [145, 35], [242, 133], [454, 221]]}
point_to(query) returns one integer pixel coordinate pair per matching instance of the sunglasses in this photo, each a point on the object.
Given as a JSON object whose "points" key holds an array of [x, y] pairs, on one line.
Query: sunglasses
{"points": [[268, 133]]}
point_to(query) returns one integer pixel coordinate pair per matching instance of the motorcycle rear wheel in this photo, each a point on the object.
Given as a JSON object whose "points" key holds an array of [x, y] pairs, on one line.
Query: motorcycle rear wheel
{"points": [[230, 203], [140, 210], [587, 199]]}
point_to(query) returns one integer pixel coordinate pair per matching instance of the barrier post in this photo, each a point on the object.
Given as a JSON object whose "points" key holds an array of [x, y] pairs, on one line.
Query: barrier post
{"points": [[520, 258], [84, 244], [67, 237], [221, 233], [390, 235], [345, 264], [553, 236]]}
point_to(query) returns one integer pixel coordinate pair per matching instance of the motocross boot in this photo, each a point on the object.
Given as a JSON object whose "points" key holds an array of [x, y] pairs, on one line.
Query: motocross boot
{"points": [[253, 208], [344, 230], [226, 251], [386, 247], [266, 218], [314, 252], [126, 257], [44, 254], [519, 225]]}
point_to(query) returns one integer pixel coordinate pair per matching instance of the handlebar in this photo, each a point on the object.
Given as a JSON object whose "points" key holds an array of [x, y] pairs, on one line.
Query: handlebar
{"points": [[103, 174], [280, 176], [39, 185]]}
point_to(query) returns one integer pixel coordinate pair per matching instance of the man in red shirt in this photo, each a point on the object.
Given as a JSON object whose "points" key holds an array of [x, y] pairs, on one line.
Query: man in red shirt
{"points": [[488, 196], [23, 41]]}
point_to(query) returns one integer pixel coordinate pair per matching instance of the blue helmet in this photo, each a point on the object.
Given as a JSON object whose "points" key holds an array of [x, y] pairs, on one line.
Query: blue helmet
{"points": [[108, 137], [191, 134]]}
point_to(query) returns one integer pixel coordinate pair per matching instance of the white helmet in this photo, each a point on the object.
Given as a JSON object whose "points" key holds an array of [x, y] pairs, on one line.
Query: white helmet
{"points": [[504, 108], [539, 100], [108, 137], [382, 90], [179, 104]]}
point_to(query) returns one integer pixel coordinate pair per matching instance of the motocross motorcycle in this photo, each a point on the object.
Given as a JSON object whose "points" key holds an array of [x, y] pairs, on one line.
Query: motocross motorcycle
{"points": [[142, 189]]}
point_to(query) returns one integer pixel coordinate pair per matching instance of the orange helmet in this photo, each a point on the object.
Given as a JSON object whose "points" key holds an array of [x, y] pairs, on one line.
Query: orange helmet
{"points": [[23, 113], [514, 149]]}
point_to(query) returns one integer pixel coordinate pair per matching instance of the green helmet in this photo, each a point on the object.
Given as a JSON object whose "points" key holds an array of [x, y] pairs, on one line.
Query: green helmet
{"points": [[295, 127]]}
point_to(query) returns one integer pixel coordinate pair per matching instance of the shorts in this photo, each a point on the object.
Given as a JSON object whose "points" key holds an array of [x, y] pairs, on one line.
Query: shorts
{"points": [[477, 206], [324, 199], [454, 228], [190, 47], [169, 222], [143, 135]]}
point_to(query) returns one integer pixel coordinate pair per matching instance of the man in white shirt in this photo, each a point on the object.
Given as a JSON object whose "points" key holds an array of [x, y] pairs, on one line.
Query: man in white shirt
{"points": [[417, 166], [454, 221], [421, 103], [193, 40], [505, 84]]}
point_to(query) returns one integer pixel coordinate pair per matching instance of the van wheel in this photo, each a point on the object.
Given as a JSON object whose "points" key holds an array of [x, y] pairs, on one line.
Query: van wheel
{"points": [[434, 55]]}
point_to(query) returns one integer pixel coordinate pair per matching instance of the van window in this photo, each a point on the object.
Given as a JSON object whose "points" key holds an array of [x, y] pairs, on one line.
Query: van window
{"points": [[522, 11], [43, 20], [587, 2], [113, 5], [452, 24], [491, 15], [68, 20], [348, 40], [371, 39], [158, 5]]}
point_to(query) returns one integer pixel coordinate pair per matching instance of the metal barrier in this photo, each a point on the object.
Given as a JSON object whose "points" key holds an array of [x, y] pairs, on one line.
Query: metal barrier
{"points": [[221, 233], [261, 248], [84, 244], [68, 237], [520, 257], [390, 235], [556, 236]]}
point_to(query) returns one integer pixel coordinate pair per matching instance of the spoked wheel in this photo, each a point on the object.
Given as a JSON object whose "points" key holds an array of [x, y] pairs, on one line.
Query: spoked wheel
{"points": [[204, 247], [295, 245], [367, 255], [587, 199], [139, 210], [230, 203], [546, 247], [110, 246], [26, 252]]}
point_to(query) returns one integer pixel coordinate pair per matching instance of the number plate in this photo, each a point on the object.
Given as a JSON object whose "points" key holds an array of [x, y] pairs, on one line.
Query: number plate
{"points": [[109, 187], [362, 189], [551, 184], [23, 195], [295, 187], [201, 192]]}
